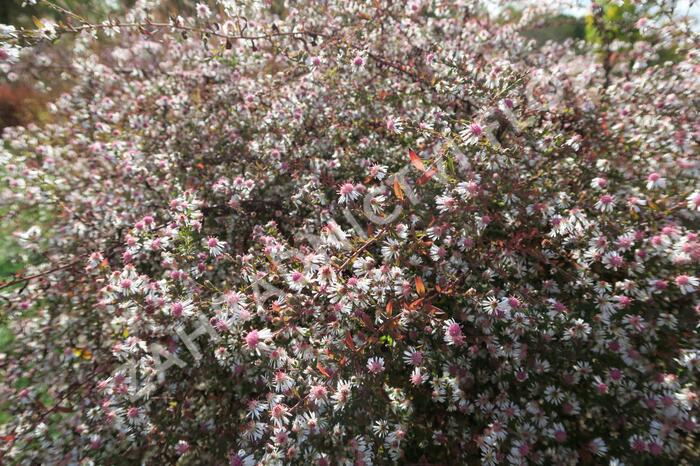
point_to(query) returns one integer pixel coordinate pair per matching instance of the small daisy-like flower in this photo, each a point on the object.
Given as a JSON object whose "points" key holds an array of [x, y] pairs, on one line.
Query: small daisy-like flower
{"points": [[256, 408], [694, 201], [315, 62], [613, 260], [468, 189], [413, 357], [394, 125], [283, 381], [279, 414], [418, 377], [605, 203], [203, 11], [686, 283], [690, 359], [375, 365], [597, 447], [635, 203], [453, 333], [280, 437], [553, 395], [181, 309], [655, 181], [215, 246], [253, 431], [599, 183], [471, 134], [378, 171], [348, 192], [557, 432], [128, 285], [391, 250], [446, 203], [9, 53], [359, 61], [381, 428], [240, 458], [318, 394], [255, 340], [135, 416], [296, 280], [343, 390], [182, 447], [94, 261]]}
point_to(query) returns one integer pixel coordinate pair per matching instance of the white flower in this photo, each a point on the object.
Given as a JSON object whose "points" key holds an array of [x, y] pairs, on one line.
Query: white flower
{"points": [[315, 62], [242, 459], [655, 181], [8, 31], [694, 201], [182, 309], [453, 333], [359, 61], [605, 203], [413, 357], [348, 192], [296, 280], [343, 390], [471, 134], [375, 365], [446, 203], [279, 413], [613, 260], [255, 340], [203, 11], [687, 284], [394, 125], [599, 183], [215, 246], [597, 447], [418, 377], [283, 382], [9, 53], [690, 359]]}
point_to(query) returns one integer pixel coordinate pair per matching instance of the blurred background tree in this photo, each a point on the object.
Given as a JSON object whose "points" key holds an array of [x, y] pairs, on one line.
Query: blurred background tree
{"points": [[611, 20], [556, 28], [13, 12]]}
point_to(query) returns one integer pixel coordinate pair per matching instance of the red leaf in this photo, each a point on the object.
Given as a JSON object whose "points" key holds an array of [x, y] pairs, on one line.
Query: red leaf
{"points": [[425, 177], [397, 189], [420, 286], [322, 369], [432, 309], [416, 303], [416, 161], [349, 342]]}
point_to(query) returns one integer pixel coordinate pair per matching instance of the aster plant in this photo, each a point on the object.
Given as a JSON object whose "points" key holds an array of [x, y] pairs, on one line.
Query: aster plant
{"points": [[353, 233]]}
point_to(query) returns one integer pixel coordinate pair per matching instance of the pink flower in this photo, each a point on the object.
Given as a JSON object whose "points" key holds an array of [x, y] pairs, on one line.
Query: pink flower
{"points": [[375, 365], [215, 246], [605, 203], [348, 192], [686, 283], [182, 447], [256, 340], [453, 333]]}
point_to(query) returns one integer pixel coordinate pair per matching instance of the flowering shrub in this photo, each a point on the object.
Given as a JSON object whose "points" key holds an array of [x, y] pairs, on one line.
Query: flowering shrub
{"points": [[348, 233]]}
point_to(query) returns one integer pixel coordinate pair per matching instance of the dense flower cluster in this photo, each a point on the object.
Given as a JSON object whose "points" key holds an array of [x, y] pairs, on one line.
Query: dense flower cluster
{"points": [[356, 233]]}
